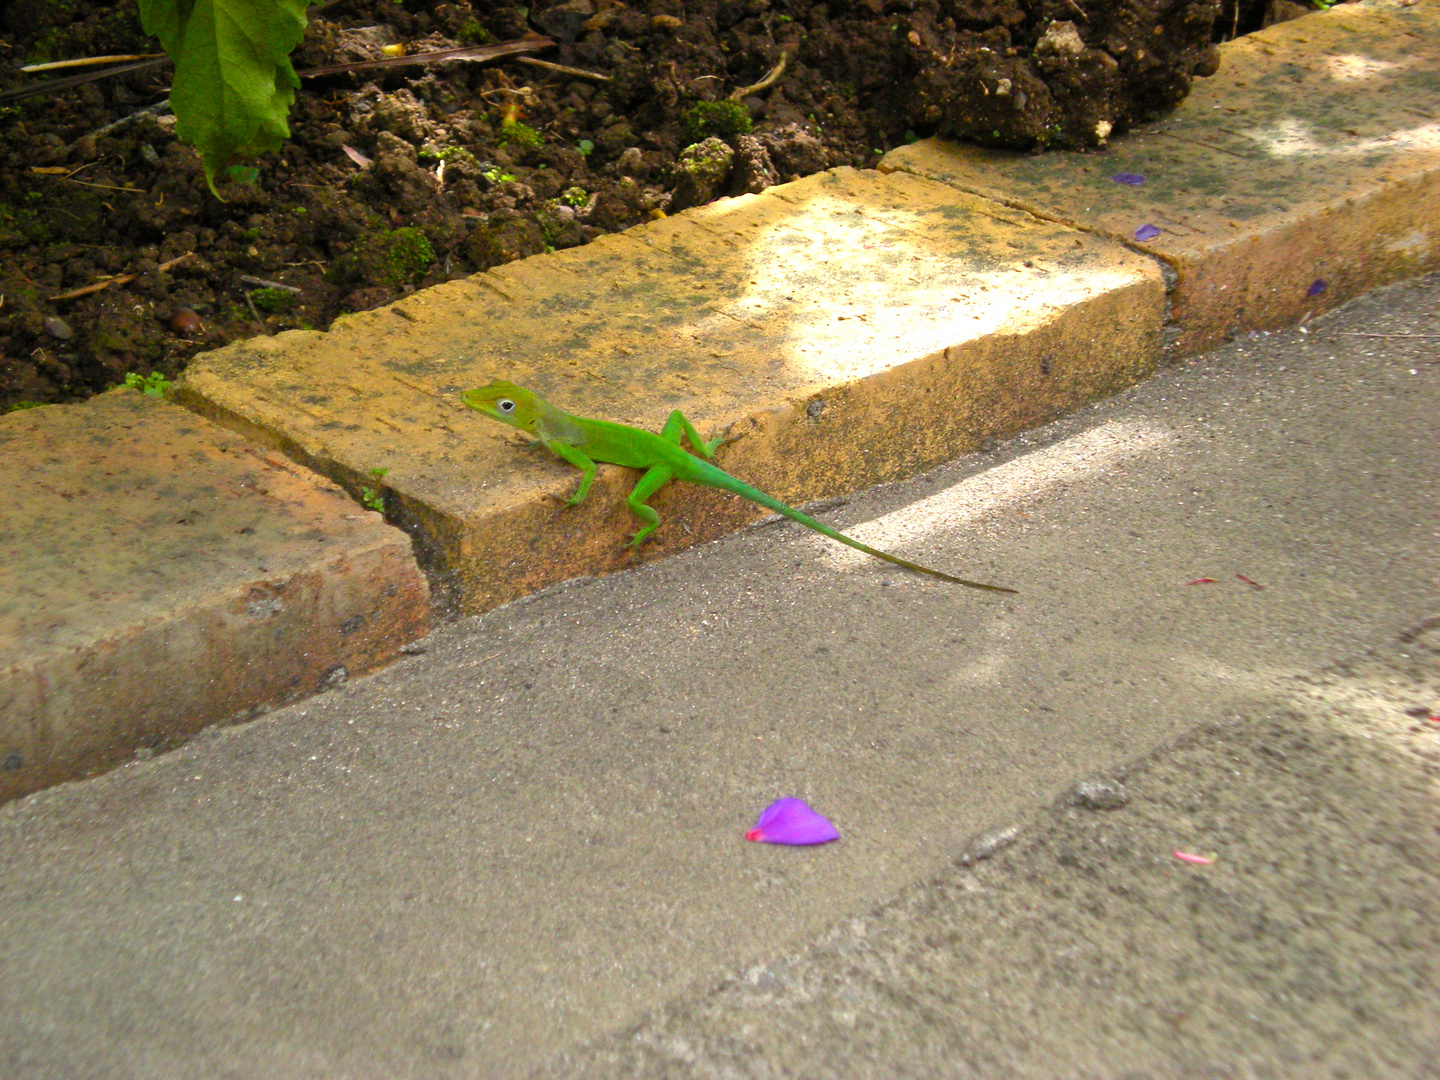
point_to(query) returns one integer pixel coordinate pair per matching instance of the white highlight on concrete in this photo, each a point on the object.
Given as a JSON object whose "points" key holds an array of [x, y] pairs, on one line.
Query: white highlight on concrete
{"points": [[1352, 67], [1025, 478], [1293, 137]]}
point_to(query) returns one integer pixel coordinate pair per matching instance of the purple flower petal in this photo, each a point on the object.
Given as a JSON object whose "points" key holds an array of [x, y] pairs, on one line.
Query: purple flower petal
{"points": [[1316, 288], [1133, 179], [1146, 232], [790, 821]]}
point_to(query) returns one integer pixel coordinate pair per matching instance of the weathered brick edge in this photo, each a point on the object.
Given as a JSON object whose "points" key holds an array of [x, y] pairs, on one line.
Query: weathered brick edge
{"points": [[88, 707], [159, 574]]}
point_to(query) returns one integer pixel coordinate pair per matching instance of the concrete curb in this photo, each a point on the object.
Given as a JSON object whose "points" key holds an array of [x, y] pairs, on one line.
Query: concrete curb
{"points": [[848, 328], [854, 327], [158, 574], [1303, 173]]}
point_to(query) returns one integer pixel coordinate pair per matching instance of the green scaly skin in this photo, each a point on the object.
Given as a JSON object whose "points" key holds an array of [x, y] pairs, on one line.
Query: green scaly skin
{"points": [[583, 442]]}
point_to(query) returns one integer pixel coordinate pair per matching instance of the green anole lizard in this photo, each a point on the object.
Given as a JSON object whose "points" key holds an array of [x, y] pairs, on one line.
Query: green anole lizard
{"points": [[583, 442]]}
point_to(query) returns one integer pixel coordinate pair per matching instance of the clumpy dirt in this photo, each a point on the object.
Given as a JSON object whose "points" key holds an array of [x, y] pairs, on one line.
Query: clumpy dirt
{"points": [[115, 257]]}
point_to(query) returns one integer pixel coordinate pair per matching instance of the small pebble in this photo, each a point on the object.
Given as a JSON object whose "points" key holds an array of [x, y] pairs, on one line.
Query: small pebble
{"points": [[58, 328], [988, 844], [1098, 795], [186, 322]]}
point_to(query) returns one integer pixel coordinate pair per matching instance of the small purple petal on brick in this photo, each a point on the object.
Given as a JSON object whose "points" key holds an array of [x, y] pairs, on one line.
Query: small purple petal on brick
{"points": [[790, 821], [1316, 288], [1146, 232], [1133, 179]]}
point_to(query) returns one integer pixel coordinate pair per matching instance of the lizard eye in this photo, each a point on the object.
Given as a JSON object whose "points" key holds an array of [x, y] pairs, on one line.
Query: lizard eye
{"points": [[505, 405]]}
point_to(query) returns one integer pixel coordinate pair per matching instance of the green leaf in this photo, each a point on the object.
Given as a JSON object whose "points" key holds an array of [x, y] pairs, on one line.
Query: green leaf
{"points": [[233, 82]]}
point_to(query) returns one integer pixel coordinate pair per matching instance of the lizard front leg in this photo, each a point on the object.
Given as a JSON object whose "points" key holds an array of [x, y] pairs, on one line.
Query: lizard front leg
{"points": [[581, 461]]}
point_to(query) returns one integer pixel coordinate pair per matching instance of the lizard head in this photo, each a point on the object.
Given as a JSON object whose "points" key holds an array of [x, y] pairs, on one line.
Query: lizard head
{"points": [[504, 401]]}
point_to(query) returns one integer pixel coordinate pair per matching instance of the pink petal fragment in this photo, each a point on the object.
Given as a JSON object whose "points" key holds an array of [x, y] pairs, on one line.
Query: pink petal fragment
{"points": [[356, 156], [1247, 581], [790, 821], [1197, 860], [1202, 581]]}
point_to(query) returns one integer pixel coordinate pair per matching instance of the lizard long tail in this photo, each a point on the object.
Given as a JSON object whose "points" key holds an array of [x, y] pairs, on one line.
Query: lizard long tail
{"points": [[712, 476]]}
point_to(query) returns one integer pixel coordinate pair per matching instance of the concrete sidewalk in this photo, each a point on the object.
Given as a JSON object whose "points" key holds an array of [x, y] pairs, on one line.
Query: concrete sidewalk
{"points": [[519, 844], [519, 848]]}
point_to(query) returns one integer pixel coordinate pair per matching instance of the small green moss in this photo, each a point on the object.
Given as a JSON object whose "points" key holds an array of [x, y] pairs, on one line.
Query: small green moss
{"points": [[407, 255], [112, 340], [388, 257], [575, 196], [250, 234], [272, 301], [456, 153], [20, 226], [430, 152], [472, 33], [17, 406], [520, 137], [497, 175], [722, 119], [705, 164]]}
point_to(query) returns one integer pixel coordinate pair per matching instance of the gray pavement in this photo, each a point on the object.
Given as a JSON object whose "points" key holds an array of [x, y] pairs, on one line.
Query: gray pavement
{"points": [[522, 851]]}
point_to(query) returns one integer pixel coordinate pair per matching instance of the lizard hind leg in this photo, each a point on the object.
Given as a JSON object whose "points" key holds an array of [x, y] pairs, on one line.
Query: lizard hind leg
{"points": [[679, 426], [656, 477]]}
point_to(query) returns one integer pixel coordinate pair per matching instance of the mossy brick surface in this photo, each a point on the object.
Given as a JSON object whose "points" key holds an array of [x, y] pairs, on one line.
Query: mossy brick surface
{"points": [[1304, 172], [159, 573], [848, 328]]}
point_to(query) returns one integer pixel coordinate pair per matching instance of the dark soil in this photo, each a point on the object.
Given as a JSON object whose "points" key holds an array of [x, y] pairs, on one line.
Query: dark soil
{"points": [[398, 180]]}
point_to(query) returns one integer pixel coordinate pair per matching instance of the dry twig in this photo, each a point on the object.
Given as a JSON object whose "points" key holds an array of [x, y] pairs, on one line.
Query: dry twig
{"points": [[86, 290], [54, 85], [476, 54], [118, 279], [266, 283], [764, 84], [573, 72], [91, 61]]}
